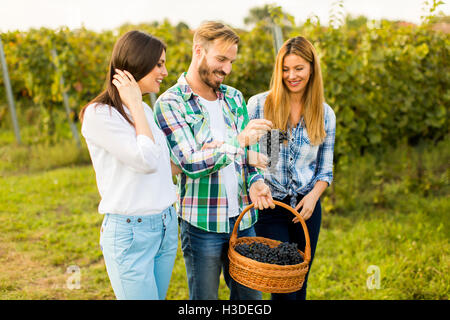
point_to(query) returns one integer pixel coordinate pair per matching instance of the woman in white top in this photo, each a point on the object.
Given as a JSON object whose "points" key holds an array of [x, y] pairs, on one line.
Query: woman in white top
{"points": [[139, 233]]}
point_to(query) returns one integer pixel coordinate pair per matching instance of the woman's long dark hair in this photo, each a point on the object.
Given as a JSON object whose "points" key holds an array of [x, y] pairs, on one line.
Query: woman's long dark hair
{"points": [[138, 53]]}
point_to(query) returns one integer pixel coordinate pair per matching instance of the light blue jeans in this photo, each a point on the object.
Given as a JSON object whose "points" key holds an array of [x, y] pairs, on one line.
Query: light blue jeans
{"points": [[139, 253]]}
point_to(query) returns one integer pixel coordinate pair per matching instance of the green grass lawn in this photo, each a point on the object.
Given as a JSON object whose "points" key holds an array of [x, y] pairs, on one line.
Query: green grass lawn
{"points": [[49, 222]]}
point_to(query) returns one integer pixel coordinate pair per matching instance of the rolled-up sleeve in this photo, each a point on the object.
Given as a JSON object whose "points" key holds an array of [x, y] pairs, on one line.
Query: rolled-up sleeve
{"points": [[252, 108], [326, 149], [107, 129]]}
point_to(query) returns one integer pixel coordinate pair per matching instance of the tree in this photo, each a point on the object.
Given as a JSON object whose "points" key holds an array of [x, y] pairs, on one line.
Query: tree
{"points": [[269, 13]]}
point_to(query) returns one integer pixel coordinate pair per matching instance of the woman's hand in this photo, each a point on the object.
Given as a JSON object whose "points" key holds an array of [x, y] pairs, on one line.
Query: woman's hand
{"points": [[257, 159], [308, 203], [128, 88], [131, 96]]}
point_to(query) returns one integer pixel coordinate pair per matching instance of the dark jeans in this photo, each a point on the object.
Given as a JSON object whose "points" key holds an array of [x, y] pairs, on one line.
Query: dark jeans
{"points": [[205, 256], [277, 224]]}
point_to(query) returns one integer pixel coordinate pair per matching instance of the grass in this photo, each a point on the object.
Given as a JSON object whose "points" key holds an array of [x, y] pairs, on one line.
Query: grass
{"points": [[409, 245], [391, 212], [49, 222]]}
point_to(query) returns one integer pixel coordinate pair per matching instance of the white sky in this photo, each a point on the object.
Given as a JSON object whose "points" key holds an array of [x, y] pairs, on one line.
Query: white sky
{"points": [[108, 14]]}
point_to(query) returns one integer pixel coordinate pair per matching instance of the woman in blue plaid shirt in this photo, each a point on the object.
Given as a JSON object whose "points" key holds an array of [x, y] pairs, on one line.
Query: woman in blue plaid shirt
{"points": [[300, 148]]}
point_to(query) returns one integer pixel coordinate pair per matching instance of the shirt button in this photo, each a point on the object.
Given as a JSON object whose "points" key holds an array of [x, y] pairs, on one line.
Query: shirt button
{"points": [[139, 220], [128, 220]]}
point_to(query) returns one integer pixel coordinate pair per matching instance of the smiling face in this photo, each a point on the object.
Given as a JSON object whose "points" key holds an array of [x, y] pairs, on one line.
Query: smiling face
{"points": [[296, 73], [152, 81], [216, 63]]}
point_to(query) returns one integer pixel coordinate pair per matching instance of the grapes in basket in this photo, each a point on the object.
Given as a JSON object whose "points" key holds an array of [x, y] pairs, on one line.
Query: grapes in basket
{"points": [[283, 254]]}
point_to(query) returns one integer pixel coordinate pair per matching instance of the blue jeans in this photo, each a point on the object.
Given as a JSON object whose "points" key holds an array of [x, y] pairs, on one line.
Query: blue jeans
{"points": [[139, 253], [277, 224], [205, 255]]}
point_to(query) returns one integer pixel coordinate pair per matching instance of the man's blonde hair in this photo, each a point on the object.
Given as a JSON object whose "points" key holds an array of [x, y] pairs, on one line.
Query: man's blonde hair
{"points": [[210, 31]]}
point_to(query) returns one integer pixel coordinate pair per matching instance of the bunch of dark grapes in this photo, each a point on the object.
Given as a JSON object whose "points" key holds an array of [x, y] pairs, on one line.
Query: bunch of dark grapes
{"points": [[267, 139], [283, 254]]}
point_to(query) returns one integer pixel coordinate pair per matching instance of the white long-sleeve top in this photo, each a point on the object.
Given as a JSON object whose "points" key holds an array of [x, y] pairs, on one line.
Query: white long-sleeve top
{"points": [[133, 173]]}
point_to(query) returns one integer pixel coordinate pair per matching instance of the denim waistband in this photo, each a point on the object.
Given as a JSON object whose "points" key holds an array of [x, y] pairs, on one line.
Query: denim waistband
{"points": [[140, 219]]}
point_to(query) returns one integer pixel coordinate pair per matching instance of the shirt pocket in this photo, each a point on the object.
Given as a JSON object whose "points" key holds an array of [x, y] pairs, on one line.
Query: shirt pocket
{"points": [[305, 138], [305, 150], [199, 127], [308, 152]]}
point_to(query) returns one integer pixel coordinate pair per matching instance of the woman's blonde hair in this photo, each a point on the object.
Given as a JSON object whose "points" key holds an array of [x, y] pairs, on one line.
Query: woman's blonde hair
{"points": [[277, 108]]}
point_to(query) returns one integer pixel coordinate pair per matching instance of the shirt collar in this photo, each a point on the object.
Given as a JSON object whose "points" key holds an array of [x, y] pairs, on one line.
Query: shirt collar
{"points": [[187, 92]]}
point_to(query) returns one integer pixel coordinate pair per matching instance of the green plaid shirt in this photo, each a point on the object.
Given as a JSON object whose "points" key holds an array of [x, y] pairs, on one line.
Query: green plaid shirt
{"points": [[202, 199]]}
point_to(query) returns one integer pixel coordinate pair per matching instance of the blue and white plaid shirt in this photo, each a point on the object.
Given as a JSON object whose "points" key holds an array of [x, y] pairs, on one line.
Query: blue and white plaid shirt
{"points": [[296, 166]]}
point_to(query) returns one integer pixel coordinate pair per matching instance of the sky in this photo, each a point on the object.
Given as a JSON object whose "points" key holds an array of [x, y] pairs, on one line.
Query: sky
{"points": [[107, 14]]}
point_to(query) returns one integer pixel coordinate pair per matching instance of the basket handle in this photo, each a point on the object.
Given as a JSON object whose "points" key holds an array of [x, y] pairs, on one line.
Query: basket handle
{"points": [[307, 257]]}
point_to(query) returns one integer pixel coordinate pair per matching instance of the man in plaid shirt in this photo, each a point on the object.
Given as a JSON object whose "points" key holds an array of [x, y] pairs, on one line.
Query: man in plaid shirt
{"points": [[208, 133]]}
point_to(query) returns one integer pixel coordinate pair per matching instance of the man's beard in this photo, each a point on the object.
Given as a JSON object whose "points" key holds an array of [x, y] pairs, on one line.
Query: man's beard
{"points": [[206, 75]]}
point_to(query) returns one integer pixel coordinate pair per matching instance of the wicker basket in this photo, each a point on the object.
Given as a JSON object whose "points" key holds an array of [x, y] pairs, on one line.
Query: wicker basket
{"points": [[267, 277]]}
